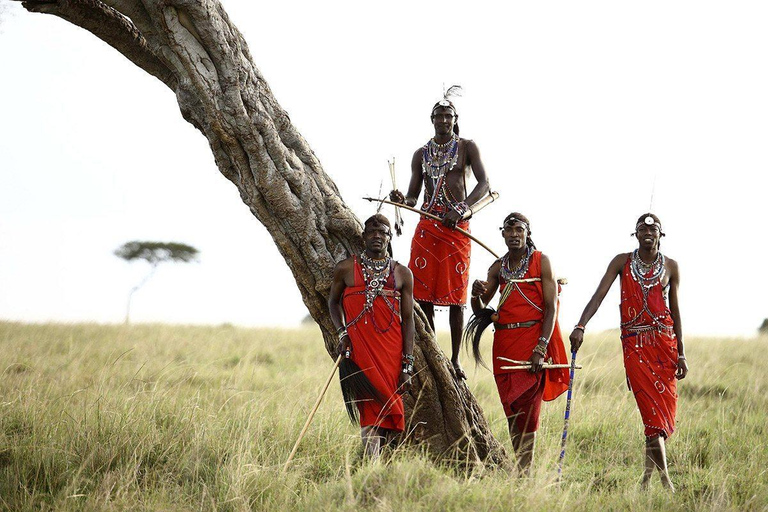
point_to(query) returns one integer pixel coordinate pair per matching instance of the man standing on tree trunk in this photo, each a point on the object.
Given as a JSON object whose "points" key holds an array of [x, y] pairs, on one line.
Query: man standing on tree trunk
{"points": [[651, 336], [440, 254], [371, 306]]}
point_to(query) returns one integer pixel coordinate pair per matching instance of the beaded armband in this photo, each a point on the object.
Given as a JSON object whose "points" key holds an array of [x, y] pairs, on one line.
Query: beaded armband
{"points": [[408, 364]]}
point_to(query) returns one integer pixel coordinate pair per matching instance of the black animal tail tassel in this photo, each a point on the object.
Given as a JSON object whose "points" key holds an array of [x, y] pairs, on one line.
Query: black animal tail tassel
{"points": [[474, 331], [356, 387]]}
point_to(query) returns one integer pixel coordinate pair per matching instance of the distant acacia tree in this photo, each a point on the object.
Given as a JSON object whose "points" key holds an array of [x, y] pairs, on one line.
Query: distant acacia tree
{"points": [[763, 329], [153, 253]]}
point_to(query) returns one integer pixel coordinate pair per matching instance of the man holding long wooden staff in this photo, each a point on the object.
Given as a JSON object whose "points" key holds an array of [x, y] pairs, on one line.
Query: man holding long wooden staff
{"points": [[440, 254], [526, 333], [371, 305], [651, 336]]}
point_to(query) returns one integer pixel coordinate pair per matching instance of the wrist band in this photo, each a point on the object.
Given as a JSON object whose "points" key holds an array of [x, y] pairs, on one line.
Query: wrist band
{"points": [[342, 333], [580, 327], [680, 357]]}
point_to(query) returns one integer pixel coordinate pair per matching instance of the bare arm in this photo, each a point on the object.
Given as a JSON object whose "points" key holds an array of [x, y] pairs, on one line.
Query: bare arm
{"points": [[614, 269], [340, 273], [405, 278], [483, 291], [414, 186], [549, 293], [674, 309], [478, 169]]}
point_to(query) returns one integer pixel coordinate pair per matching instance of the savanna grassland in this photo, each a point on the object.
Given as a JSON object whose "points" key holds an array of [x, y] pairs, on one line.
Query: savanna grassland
{"points": [[155, 417]]}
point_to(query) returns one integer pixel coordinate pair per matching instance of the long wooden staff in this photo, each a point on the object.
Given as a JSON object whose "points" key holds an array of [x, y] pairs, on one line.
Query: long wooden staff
{"points": [[433, 217], [314, 410], [567, 416]]}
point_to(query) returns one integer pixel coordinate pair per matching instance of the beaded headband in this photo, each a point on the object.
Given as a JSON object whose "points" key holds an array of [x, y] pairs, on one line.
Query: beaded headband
{"points": [[512, 220], [649, 221]]}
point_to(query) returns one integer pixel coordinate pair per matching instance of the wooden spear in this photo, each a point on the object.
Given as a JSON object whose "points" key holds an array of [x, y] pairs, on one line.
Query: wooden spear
{"points": [[314, 410]]}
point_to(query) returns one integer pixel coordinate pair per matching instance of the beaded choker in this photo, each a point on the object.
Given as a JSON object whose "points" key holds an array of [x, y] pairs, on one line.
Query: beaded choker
{"points": [[440, 158], [509, 274], [645, 274]]}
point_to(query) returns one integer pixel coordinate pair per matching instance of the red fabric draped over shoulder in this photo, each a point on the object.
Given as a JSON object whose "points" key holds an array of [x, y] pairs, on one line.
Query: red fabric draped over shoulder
{"points": [[526, 303], [377, 348]]}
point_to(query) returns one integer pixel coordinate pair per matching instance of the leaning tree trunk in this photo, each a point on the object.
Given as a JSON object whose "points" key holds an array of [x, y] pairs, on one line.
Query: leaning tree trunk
{"points": [[192, 47]]}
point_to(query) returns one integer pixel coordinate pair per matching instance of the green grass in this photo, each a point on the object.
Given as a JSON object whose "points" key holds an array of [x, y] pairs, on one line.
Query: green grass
{"points": [[154, 417]]}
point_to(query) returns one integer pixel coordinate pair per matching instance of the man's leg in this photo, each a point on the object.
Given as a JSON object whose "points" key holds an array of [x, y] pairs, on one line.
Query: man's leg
{"points": [[372, 441], [429, 309], [656, 457], [523, 443], [456, 320]]}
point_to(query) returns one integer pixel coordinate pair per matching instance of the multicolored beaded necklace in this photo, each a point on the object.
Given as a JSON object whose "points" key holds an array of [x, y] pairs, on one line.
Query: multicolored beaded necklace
{"points": [[647, 275], [509, 274], [375, 272], [437, 160]]}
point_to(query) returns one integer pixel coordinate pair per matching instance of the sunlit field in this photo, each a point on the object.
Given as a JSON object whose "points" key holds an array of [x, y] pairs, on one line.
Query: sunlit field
{"points": [[155, 417]]}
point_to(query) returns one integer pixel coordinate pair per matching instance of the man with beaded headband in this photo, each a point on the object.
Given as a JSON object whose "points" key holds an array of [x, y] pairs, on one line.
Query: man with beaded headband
{"points": [[526, 329], [439, 254], [651, 336], [371, 305]]}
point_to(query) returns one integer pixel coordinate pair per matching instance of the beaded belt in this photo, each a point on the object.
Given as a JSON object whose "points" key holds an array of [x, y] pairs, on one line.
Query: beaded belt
{"points": [[634, 331], [515, 326]]}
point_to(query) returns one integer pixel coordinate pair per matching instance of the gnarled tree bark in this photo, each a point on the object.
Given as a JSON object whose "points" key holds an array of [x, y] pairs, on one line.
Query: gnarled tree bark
{"points": [[194, 49]]}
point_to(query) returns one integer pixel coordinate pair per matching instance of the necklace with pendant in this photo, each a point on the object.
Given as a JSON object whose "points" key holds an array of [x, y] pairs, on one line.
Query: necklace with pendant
{"points": [[375, 274]]}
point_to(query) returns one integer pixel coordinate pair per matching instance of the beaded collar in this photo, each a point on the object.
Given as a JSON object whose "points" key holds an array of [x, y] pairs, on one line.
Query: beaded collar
{"points": [[375, 274], [510, 274], [645, 274]]}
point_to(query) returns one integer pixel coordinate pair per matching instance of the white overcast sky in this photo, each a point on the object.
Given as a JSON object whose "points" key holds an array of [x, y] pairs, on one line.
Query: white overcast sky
{"points": [[577, 107]]}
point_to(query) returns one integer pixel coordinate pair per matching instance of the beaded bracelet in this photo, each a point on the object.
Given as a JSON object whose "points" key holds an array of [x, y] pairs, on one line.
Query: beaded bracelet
{"points": [[580, 327], [460, 208], [341, 333], [408, 364]]}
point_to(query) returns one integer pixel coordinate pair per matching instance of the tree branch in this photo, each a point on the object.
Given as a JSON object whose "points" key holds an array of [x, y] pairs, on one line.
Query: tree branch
{"points": [[109, 25]]}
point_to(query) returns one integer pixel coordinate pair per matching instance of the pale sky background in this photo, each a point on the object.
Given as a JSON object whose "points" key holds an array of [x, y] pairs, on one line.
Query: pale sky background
{"points": [[577, 107]]}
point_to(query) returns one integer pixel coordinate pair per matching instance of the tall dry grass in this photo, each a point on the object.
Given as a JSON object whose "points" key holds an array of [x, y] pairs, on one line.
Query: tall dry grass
{"points": [[155, 417]]}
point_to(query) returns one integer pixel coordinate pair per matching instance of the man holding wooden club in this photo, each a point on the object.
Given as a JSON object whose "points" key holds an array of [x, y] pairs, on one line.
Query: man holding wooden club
{"points": [[439, 253], [651, 336], [371, 305], [526, 333]]}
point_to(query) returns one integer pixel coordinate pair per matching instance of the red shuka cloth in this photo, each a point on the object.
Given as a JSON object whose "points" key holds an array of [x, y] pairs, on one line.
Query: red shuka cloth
{"points": [[519, 343], [377, 348], [650, 356], [440, 263]]}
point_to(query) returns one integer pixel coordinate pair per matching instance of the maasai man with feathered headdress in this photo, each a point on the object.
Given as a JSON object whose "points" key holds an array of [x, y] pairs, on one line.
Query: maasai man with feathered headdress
{"points": [[371, 306], [526, 329], [651, 336], [439, 254]]}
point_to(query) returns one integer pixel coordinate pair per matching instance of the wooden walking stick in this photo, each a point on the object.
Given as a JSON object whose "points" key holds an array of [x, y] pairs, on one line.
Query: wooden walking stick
{"points": [[314, 410], [567, 417]]}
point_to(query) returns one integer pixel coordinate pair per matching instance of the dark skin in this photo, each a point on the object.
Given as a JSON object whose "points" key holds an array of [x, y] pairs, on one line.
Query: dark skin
{"points": [[648, 238], [468, 164], [376, 239], [515, 237]]}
